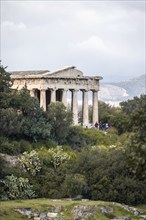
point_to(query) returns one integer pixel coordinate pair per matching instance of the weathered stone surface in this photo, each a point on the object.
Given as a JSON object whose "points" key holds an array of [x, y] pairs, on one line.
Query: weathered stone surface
{"points": [[82, 212], [105, 209], [130, 209], [121, 218], [52, 214], [43, 215], [25, 211], [37, 218], [59, 82], [58, 209], [11, 160], [36, 215]]}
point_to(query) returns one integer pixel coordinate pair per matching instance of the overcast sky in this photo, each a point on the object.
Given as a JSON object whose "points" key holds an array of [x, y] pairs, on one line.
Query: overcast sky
{"points": [[105, 38]]}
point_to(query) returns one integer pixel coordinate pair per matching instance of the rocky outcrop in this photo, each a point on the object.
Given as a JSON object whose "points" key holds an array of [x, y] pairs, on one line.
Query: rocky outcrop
{"points": [[80, 212], [12, 161], [83, 212], [38, 215], [133, 210]]}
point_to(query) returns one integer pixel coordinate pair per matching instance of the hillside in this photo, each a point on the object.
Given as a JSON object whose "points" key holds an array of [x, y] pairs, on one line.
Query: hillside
{"points": [[67, 209], [114, 93]]}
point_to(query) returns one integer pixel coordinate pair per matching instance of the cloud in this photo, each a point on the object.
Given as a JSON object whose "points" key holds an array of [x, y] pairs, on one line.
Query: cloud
{"points": [[106, 37], [93, 43], [11, 26]]}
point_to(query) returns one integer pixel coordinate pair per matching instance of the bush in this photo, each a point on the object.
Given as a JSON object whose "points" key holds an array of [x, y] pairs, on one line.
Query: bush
{"points": [[17, 188], [73, 185], [12, 147], [95, 137], [30, 162], [76, 138]]}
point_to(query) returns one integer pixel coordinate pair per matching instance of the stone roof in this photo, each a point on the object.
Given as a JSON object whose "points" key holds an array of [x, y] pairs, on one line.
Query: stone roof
{"points": [[64, 72], [31, 72], [41, 72], [61, 70], [67, 72]]}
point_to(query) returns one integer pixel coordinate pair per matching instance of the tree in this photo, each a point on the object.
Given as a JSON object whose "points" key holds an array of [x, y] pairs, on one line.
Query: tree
{"points": [[76, 138], [136, 111], [73, 185], [5, 80], [60, 119], [20, 114], [136, 144], [5, 88], [9, 122]]}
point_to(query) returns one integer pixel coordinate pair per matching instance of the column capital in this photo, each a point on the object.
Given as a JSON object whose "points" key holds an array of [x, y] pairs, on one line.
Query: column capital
{"points": [[85, 90], [74, 90], [52, 89], [64, 89], [32, 92], [94, 90]]}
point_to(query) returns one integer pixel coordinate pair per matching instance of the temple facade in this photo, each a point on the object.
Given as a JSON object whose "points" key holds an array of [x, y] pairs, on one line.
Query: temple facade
{"points": [[53, 86]]}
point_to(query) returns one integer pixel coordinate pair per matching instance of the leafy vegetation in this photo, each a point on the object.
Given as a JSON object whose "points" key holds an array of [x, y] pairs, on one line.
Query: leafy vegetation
{"points": [[30, 162], [57, 160], [17, 188]]}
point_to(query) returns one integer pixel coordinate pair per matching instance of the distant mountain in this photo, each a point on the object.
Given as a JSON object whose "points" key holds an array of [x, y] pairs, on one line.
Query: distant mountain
{"points": [[114, 93]]}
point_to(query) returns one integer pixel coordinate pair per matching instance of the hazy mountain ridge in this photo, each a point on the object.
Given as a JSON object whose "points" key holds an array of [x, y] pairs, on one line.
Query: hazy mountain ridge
{"points": [[114, 93]]}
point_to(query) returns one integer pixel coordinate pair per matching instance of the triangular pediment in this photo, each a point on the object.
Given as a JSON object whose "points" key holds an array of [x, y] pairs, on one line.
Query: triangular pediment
{"points": [[68, 72]]}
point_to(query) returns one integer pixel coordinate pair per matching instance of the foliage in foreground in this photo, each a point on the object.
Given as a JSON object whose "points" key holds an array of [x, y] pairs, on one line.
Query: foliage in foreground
{"points": [[97, 173], [93, 164]]}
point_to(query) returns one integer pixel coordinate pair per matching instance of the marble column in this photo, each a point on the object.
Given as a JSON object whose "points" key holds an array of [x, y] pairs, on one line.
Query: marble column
{"points": [[74, 106], [85, 108], [53, 95], [95, 107], [43, 99], [32, 92], [64, 97]]}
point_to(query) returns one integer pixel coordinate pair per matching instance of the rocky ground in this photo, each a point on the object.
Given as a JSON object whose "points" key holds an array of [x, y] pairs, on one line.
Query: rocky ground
{"points": [[69, 209]]}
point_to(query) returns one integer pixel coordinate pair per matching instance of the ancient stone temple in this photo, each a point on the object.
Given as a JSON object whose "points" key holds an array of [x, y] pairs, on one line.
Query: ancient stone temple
{"points": [[53, 86]]}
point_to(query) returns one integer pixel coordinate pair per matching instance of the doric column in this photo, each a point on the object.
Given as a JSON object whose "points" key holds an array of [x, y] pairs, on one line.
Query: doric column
{"points": [[85, 108], [32, 92], [74, 106], [95, 107], [53, 95], [43, 99], [64, 97]]}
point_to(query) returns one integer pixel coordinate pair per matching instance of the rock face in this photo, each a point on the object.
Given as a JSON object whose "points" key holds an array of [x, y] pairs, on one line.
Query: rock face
{"points": [[12, 161], [37, 215], [81, 212]]}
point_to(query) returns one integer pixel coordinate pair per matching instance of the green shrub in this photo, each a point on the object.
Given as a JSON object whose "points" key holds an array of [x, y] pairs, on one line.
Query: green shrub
{"points": [[17, 188], [30, 162], [13, 147], [76, 138]]}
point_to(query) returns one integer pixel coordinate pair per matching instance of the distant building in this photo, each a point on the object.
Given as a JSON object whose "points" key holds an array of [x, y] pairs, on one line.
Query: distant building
{"points": [[53, 86]]}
